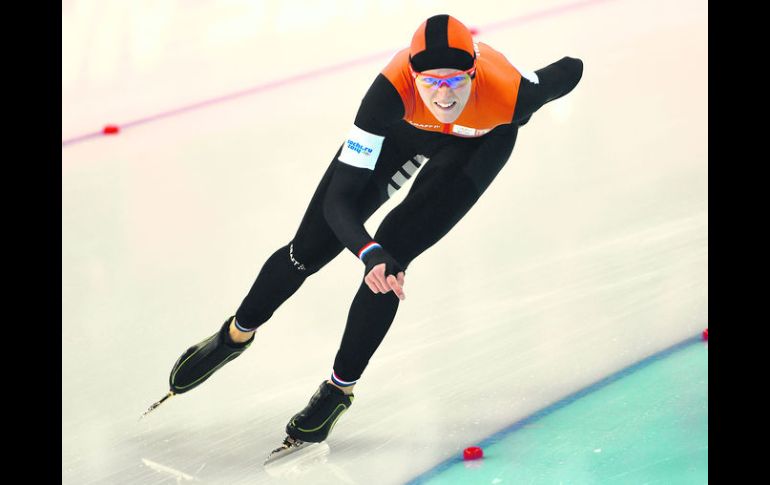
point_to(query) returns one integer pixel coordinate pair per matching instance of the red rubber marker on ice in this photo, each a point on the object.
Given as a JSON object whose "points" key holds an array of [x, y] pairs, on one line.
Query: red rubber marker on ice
{"points": [[111, 129], [706, 334], [473, 453]]}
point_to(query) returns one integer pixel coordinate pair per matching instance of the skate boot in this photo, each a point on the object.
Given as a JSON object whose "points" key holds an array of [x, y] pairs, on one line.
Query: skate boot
{"points": [[204, 358], [314, 423]]}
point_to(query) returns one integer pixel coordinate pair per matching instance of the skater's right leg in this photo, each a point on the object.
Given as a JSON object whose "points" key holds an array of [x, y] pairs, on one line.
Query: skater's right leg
{"points": [[313, 246], [277, 281]]}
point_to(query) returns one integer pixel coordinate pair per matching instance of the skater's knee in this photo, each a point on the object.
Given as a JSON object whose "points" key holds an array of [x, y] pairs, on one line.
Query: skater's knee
{"points": [[307, 260], [298, 265]]}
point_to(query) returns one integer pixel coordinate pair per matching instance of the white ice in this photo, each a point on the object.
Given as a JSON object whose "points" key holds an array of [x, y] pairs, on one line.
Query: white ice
{"points": [[588, 253]]}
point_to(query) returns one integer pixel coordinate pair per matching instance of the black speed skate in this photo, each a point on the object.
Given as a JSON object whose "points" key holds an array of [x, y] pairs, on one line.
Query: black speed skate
{"points": [[201, 360], [314, 423]]}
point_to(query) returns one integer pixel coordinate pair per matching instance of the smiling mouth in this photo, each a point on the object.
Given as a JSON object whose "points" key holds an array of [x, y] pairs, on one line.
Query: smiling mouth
{"points": [[445, 106]]}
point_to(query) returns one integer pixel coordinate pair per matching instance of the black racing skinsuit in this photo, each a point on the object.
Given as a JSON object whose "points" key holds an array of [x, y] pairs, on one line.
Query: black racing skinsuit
{"points": [[455, 174]]}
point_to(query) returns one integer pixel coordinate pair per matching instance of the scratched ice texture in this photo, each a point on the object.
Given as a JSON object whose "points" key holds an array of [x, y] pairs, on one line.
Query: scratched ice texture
{"points": [[588, 253]]}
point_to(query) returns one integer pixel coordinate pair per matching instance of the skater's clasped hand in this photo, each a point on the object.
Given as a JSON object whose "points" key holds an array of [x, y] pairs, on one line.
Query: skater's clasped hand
{"points": [[379, 283], [383, 273]]}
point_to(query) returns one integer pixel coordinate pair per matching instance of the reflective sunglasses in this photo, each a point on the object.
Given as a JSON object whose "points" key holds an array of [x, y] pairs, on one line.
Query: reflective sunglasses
{"points": [[454, 80]]}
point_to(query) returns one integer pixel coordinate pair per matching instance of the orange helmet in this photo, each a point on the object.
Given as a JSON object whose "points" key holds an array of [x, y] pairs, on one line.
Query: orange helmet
{"points": [[442, 41]]}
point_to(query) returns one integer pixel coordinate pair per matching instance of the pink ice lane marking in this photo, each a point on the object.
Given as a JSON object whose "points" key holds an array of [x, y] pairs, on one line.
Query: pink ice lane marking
{"points": [[228, 97], [549, 12], [503, 24]]}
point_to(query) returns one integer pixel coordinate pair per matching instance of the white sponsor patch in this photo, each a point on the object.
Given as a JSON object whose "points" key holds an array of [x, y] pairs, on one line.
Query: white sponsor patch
{"points": [[531, 76], [361, 148], [465, 131]]}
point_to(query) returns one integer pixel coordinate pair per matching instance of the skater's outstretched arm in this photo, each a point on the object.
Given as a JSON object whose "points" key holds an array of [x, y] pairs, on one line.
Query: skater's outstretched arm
{"points": [[381, 107], [549, 83]]}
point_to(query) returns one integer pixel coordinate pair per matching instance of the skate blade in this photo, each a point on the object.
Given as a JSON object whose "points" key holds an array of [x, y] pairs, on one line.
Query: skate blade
{"points": [[294, 460], [156, 404]]}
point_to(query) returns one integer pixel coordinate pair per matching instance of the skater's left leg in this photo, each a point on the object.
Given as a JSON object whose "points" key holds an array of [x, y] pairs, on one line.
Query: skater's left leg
{"points": [[442, 194]]}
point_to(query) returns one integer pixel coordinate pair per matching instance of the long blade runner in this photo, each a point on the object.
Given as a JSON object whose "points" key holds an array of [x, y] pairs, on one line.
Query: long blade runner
{"points": [[155, 405], [295, 457]]}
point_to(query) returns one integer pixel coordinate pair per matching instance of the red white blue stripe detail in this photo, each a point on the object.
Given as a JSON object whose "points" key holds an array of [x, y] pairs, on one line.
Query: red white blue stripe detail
{"points": [[367, 248], [340, 382]]}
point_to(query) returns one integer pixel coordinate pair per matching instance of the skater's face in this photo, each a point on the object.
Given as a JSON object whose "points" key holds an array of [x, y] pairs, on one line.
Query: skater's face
{"points": [[446, 94]]}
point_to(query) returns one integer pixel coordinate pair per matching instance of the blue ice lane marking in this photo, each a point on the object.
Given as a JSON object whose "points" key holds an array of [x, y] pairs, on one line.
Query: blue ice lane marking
{"points": [[491, 440]]}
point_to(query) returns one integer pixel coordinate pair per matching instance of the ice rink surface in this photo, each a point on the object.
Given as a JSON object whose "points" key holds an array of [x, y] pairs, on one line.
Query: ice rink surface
{"points": [[587, 254]]}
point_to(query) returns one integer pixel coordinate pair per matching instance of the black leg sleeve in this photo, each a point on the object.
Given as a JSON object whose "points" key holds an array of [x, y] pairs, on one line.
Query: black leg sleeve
{"points": [[276, 282], [314, 245], [369, 319], [283, 273]]}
